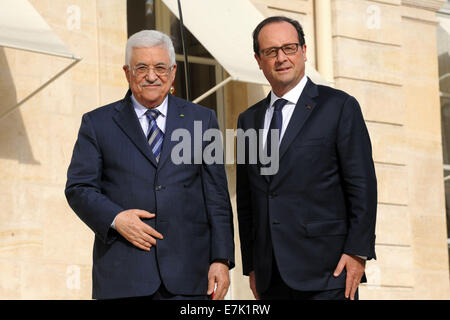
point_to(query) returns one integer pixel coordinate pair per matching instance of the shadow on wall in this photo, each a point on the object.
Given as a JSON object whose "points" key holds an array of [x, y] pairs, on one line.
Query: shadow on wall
{"points": [[14, 142]]}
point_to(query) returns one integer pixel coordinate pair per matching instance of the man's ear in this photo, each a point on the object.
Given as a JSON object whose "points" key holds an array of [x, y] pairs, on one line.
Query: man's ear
{"points": [[126, 69], [304, 53], [174, 72], [258, 59]]}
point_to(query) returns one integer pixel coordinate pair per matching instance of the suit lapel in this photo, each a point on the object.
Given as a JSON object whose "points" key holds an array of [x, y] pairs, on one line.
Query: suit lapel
{"points": [[303, 109], [127, 120], [174, 120]]}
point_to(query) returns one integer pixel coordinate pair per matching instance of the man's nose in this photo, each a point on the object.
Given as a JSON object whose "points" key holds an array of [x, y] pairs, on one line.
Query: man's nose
{"points": [[281, 56], [151, 75]]}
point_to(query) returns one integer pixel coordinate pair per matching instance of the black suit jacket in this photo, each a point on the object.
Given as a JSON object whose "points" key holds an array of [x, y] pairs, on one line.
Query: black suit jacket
{"points": [[320, 204], [113, 169]]}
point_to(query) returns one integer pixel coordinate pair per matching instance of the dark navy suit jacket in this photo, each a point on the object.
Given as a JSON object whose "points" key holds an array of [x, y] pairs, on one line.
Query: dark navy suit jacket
{"points": [[320, 204], [113, 169]]}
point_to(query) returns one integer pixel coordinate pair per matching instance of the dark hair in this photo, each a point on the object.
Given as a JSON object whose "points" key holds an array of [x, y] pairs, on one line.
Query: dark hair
{"points": [[294, 23]]}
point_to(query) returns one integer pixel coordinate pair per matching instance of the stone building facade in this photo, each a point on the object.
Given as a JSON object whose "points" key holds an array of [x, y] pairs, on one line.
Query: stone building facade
{"points": [[383, 52]]}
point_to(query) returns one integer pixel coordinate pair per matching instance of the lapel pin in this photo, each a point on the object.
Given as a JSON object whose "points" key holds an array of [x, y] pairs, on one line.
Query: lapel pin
{"points": [[308, 107], [181, 115]]}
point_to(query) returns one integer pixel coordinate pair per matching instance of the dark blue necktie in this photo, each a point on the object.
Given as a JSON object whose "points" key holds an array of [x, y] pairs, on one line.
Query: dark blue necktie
{"points": [[276, 123], [155, 135]]}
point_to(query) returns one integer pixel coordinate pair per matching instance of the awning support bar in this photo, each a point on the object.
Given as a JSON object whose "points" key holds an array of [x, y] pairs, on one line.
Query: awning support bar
{"points": [[7, 112], [213, 89]]}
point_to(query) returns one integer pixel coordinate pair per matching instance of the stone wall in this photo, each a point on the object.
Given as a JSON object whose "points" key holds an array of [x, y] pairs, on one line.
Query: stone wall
{"points": [[385, 55], [45, 250]]}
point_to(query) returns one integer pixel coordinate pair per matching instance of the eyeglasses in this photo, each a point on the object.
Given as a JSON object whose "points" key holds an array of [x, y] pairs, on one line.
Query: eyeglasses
{"points": [[288, 49], [142, 70]]}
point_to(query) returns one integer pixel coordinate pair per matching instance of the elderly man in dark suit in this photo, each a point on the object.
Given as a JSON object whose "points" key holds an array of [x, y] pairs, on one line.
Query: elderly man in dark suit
{"points": [[307, 229], [162, 230]]}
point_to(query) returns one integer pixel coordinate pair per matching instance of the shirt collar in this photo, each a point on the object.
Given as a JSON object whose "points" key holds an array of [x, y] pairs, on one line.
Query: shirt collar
{"points": [[141, 110], [292, 95]]}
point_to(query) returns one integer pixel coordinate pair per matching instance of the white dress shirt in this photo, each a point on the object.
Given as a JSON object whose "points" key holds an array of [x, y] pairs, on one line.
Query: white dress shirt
{"points": [[292, 97], [143, 120]]}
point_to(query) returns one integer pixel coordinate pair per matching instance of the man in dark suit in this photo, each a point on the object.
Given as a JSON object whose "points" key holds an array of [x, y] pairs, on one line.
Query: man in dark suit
{"points": [[307, 229], [162, 230]]}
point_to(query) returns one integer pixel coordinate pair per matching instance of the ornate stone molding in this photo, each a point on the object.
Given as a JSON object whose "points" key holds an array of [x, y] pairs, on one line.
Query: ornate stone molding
{"points": [[431, 5]]}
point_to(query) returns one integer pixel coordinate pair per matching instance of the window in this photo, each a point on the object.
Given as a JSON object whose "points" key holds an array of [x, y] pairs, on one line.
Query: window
{"points": [[443, 34]]}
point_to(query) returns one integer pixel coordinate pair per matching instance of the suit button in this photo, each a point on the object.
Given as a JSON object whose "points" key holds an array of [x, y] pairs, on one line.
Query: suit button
{"points": [[158, 188], [272, 195], [275, 222]]}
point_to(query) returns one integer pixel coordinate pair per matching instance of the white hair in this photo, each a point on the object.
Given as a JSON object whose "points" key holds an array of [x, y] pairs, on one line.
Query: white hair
{"points": [[149, 38]]}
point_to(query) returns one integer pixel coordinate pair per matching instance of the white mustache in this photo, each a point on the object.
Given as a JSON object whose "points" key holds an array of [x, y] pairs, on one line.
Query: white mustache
{"points": [[147, 83]]}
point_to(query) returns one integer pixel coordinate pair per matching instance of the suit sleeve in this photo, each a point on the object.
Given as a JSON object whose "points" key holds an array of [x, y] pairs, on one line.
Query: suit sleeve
{"points": [[83, 187], [358, 180], [244, 211], [218, 205]]}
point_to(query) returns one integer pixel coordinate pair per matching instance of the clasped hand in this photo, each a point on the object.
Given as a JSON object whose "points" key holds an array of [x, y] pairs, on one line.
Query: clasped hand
{"points": [[129, 224]]}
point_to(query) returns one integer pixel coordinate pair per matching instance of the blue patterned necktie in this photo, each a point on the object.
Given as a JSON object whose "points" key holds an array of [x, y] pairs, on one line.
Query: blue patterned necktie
{"points": [[276, 123], [155, 135]]}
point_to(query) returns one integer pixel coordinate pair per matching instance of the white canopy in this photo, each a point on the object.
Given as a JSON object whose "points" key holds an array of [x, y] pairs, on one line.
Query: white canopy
{"points": [[444, 23], [225, 29], [22, 27]]}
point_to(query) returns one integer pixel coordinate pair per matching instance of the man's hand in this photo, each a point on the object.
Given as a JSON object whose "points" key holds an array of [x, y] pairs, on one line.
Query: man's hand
{"points": [[253, 284], [354, 266], [218, 273], [129, 224]]}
